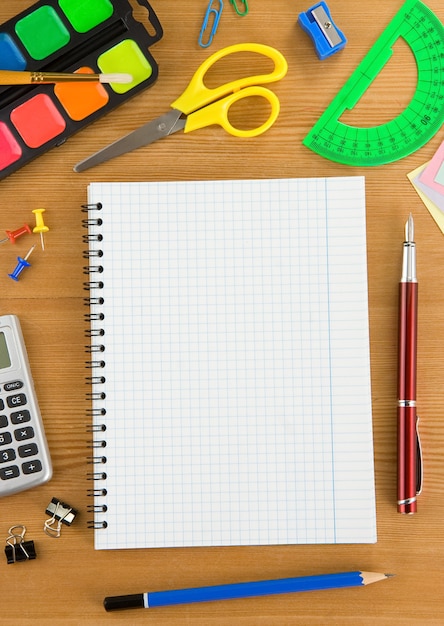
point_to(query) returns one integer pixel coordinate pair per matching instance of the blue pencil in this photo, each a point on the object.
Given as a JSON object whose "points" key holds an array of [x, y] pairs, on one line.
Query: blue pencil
{"points": [[242, 590]]}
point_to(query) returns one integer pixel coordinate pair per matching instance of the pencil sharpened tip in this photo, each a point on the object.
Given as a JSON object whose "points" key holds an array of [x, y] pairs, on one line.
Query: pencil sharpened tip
{"points": [[389, 575]]}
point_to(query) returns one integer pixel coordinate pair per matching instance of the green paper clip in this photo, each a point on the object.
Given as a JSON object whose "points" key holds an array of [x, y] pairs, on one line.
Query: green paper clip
{"points": [[244, 3]]}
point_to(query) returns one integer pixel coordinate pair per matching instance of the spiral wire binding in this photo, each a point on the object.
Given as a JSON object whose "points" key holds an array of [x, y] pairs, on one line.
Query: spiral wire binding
{"points": [[95, 363]]}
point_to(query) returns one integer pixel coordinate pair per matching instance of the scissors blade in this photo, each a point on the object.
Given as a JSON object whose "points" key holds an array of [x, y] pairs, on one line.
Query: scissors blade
{"points": [[162, 126]]}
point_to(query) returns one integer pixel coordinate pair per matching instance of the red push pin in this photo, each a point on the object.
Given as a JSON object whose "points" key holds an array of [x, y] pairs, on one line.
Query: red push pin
{"points": [[22, 263], [12, 235]]}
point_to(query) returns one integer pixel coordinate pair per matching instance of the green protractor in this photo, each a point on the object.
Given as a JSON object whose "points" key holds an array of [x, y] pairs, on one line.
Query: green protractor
{"points": [[417, 124]]}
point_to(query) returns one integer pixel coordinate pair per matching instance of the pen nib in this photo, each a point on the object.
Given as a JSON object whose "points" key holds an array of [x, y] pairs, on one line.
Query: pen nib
{"points": [[410, 230]]}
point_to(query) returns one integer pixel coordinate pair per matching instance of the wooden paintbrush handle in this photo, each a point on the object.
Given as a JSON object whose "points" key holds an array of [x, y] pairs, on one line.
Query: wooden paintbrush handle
{"points": [[9, 77]]}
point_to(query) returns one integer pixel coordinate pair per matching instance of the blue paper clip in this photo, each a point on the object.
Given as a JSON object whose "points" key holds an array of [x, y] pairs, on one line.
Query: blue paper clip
{"points": [[244, 3], [327, 38], [214, 14]]}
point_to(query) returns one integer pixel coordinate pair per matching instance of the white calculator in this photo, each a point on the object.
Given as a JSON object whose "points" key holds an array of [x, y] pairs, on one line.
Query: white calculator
{"points": [[24, 456]]}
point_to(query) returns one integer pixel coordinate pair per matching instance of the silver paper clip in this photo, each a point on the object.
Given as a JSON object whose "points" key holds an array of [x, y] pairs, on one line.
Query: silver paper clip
{"points": [[212, 16], [61, 513]]}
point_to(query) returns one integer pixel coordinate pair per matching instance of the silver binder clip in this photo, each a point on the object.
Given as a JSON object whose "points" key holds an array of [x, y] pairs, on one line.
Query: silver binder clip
{"points": [[17, 549], [61, 513]]}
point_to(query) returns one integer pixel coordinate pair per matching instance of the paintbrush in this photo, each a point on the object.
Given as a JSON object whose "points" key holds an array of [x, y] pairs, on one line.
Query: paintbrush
{"points": [[9, 77]]}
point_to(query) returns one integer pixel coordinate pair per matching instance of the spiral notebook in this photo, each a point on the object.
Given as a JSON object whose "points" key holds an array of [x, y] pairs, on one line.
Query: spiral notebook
{"points": [[230, 369]]}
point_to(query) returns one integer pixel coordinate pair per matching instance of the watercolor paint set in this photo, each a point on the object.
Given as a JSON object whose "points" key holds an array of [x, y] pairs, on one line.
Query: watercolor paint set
{"points": [[85, 36]]}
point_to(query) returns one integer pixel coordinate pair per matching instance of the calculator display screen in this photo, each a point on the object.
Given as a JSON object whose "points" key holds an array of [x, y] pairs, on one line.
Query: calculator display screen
{"points": [[5, 359]]}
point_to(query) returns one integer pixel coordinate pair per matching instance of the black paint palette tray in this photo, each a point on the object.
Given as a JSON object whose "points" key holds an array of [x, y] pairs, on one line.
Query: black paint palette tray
{"points": [[90, 36]]}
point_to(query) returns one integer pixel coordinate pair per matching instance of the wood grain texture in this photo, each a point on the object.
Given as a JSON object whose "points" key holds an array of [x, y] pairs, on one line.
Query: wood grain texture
{"points": [[68, 580]]}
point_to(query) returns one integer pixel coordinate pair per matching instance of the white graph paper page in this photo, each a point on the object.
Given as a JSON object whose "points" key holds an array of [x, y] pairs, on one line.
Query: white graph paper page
{"points": [[238, 402]]}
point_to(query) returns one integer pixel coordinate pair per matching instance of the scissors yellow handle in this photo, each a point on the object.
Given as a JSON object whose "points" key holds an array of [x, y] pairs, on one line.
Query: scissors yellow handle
{"points": [[217, 113], [200, 106], [197, 95]]}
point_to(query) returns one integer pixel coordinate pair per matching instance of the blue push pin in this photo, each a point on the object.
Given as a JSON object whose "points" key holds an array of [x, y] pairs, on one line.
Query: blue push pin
{"points": [[22, 263], [318, 24]]}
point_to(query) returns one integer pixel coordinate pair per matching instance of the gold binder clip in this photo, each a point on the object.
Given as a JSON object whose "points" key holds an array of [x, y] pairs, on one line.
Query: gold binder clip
{"points": [[17, 549], [61, 513]]}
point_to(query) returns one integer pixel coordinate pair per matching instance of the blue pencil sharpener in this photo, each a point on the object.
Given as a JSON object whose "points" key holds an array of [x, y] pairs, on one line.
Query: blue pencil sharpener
{"points": [[318, 24]]}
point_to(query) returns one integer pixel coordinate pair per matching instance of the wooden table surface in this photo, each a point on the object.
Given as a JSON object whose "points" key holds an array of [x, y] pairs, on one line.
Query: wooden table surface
{"points": [[69, 579]]}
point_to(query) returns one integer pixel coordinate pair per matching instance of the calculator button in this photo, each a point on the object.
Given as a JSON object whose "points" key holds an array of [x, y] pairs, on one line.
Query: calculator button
{"points": [[18, 417], [5, 438], [2, 405], [3, 421], [28, 450], [24, 433], [31, 467], [19, 399], [7, 455], [9, 472], [13, 385]]}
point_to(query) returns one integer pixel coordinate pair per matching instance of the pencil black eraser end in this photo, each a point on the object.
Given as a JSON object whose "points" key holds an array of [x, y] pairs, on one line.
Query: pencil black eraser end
{"points": [[116, 603]]}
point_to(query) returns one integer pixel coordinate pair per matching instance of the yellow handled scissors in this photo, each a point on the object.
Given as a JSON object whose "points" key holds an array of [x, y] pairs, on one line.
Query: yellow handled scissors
{"points": [[200, 106]]}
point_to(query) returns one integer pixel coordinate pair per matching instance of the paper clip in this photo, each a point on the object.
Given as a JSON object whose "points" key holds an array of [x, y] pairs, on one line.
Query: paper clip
{"points": [[61, 513], [214, 14], [17, 549], [243, 3]]}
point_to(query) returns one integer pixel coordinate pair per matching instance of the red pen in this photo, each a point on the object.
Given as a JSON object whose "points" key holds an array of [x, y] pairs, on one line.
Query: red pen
{"points": [[409, 449]]}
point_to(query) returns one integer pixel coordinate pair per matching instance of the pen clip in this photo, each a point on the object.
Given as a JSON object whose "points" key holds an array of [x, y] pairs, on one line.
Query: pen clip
{"points": [[419, 460]]}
